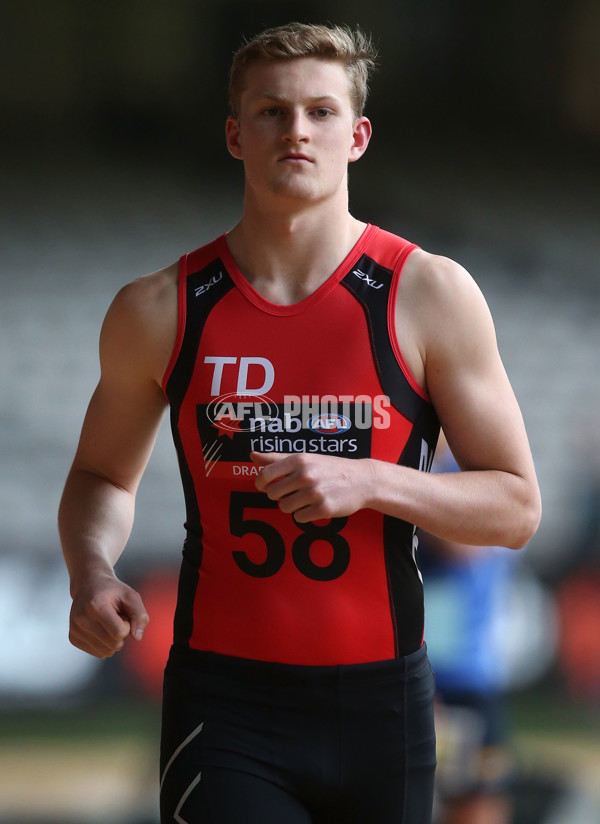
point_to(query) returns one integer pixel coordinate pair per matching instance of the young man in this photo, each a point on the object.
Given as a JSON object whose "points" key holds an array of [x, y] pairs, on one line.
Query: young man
{"points": [[307, 359]]}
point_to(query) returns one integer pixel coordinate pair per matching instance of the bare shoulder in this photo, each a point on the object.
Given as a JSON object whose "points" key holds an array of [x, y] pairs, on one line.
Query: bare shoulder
{"points": [[148, 294], [439, 309], [141, 324], [436, 282]]}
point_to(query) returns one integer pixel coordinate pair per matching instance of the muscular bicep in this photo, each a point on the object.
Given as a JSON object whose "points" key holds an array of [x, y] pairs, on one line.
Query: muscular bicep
{"points": [[126, 409], [468, 384]]}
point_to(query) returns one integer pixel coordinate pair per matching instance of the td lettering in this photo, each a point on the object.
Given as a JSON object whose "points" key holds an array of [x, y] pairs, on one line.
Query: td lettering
{"points": [[221, 362]]}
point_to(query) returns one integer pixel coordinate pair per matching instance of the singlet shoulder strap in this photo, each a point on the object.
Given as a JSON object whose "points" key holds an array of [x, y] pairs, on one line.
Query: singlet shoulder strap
{"points": [[372, 280], [203, 282]]}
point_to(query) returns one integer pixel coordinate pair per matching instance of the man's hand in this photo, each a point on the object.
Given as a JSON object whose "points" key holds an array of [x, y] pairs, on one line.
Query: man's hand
{"points": [[312, 487], [104, 613]]}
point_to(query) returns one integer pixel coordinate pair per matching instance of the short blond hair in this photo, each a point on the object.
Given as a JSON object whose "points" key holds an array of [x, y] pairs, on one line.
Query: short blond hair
{"points": [[350, 47]]}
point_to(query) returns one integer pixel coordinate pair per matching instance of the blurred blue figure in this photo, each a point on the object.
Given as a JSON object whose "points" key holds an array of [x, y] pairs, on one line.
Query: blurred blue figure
{"points": [[466, 591]]}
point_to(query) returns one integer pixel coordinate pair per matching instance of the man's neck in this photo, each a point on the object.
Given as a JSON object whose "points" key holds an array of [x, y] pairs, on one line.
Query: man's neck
{"points": [[286, 256]]}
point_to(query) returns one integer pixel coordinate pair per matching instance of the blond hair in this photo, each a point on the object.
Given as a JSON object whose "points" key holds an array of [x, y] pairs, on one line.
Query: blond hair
{"points": [[352, 48]]}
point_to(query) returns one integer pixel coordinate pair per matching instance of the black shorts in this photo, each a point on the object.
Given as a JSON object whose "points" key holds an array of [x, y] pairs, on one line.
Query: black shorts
{"points": [[249, 742]]}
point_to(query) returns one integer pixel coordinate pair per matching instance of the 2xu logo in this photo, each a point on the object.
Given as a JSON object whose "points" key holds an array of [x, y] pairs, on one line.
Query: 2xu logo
{"points": [[200, 290], [275, 544], [374, 284]]}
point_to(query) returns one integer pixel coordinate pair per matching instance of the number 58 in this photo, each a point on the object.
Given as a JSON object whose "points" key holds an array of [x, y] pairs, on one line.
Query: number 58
{"points": [[311, 532]]}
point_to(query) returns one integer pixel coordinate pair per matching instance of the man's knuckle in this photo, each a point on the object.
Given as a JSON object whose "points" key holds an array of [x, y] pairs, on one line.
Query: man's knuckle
{"points": [[80, 621], [92, 608], [319, 499], [299, 462], [321, 513]]}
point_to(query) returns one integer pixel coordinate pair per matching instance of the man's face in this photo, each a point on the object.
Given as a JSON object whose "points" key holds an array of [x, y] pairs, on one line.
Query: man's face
{"points": [[296, 131]]}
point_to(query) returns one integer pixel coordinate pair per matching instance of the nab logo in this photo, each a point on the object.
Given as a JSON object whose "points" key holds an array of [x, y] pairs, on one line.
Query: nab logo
{"points": [[201, 290], [369, 281], [329, 424]]}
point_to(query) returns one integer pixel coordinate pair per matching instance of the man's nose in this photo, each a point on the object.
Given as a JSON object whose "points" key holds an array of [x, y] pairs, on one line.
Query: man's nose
{"points": [[296, 127]]}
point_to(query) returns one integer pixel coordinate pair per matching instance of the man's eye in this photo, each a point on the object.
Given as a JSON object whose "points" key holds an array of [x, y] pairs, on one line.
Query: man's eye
{"points": [[322, 113], [272, 111]]}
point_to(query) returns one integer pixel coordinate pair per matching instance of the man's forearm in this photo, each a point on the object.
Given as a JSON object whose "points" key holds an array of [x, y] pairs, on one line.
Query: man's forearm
{"points": [[486, 507], [94, 520]]}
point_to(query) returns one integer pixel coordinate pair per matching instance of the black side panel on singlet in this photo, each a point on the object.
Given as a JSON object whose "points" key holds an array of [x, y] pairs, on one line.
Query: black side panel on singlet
{"points": [[198, 306], [372, 287], [406, 603], [372, 290]]}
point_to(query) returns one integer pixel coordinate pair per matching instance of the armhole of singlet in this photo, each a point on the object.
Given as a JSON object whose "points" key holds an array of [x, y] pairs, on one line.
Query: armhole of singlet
{"points": [[181, 318], [391, 319]]}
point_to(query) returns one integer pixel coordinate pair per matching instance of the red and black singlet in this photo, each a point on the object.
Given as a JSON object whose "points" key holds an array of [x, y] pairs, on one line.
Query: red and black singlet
{"points": [[324, 375]]}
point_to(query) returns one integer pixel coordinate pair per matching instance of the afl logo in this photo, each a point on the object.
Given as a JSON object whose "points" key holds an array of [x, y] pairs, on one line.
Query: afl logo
{"points": [[239, 413], [329, 424]]}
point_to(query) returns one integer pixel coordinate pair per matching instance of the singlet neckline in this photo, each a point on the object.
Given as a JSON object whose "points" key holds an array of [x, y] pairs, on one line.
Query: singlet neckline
{"points": [[251, 294]]}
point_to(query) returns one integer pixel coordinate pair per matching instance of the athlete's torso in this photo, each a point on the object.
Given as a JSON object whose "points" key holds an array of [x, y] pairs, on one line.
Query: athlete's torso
{"points": [[324, 375]]}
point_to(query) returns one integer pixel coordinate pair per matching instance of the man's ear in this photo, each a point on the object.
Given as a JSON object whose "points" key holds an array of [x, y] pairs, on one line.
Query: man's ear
{"points": [[361, 135], [232, 138]]}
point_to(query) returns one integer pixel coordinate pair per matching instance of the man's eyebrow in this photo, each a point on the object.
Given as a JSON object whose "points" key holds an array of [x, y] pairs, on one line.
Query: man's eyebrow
{"points": [[274, 97]]}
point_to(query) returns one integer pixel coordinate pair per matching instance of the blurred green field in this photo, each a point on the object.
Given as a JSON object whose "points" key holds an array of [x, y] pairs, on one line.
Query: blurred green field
{"points": [[98, 762]]}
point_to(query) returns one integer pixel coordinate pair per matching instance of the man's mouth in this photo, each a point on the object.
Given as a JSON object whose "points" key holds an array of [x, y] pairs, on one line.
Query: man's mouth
{"points": [[295, 157]]}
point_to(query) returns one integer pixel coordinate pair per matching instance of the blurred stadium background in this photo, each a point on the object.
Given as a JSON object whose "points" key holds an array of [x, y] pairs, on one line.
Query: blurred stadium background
{"points": [[486, 148]]}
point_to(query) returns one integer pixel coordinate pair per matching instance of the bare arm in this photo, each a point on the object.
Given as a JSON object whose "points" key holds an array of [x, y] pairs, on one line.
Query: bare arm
{"points": [[495, 499], [120, 427], [448, 338]]}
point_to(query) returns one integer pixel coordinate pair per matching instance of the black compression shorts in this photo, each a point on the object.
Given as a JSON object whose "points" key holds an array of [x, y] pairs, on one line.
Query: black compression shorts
{"points": [[248, 742]]}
